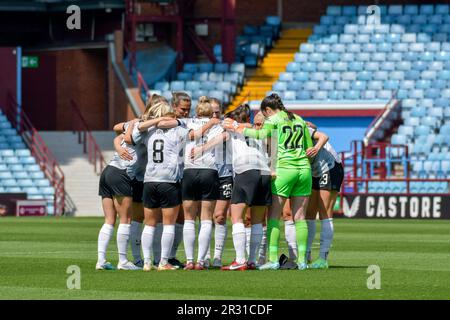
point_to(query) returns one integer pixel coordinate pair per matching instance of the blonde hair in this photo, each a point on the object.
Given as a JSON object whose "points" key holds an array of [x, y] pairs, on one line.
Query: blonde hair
{"points": [[157, 110], [204, 108], [154, 99]]}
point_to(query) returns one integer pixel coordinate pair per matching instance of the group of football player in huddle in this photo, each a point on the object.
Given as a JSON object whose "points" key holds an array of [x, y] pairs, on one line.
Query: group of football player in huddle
{"points": [[170, 170]]}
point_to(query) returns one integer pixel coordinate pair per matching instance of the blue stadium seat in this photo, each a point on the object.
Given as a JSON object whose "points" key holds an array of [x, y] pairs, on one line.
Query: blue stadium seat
{"points": [[177, 85], [342, 85], [293, 67], [190, 67], [162, 86], [301, 76], [349, 10], [232, 77], [442, 56], [375, 85], [201, 76], [237, 67], [279, 86], [311, 86], [221, 67], [205, 67], [294, 86], [304, 95], [326, 85], [192, 85], [334, 10], [216, 77], [289, 95], [184, 76], [286, 76]]}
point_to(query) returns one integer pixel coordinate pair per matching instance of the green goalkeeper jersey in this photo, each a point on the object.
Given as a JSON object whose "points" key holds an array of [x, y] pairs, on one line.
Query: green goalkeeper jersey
{"points": [[293, 139]]}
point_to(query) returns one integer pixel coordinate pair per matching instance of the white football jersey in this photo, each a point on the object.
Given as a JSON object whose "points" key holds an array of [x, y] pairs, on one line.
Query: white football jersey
{"points": [[164, 147], [224, 159], [249, 154], [128, 165], [325, 158], [207, 160], [141, 153]]}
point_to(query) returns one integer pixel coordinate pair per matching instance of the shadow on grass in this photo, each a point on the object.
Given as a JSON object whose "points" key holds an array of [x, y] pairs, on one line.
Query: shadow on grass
{"points": [[348, 267]]}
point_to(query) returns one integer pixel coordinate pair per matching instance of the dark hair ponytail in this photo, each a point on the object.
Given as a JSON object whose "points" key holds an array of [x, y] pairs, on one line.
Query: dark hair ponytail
{"points": [[241, 114], [274, 102]]}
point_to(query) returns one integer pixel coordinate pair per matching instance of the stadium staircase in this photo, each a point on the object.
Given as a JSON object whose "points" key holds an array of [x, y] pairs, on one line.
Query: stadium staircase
{"points": [[26, 165], [81, 180], [273, 64]]}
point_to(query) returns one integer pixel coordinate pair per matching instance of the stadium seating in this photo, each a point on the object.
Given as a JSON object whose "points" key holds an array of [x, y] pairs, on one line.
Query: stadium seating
{"points": [[220, 81], [19, 172], [406, 56], [254, 42]]}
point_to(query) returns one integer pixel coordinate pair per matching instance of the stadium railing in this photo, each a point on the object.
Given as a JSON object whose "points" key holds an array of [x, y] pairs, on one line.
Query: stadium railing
{"points": [[359, 174], [378, 124], [39, 150], [86, 138]]}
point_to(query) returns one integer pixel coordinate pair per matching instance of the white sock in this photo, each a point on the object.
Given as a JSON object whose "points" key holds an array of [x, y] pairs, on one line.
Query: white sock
{"points": [[167, 242], [248, 232], [311, 235], [255, 241], [104, 236], [204, 236], [291, 239], [157, 243], [135, 240], [263, 246], [147, 242], [208, 252], [239, 241], [220, 236], [326, 237], [123, 235], [189, 239], [176, 241]]}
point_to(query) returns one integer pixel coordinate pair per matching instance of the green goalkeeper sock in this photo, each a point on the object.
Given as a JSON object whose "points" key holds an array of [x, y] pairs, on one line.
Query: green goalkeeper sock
{"points": [[273, 236], [301, 230]]}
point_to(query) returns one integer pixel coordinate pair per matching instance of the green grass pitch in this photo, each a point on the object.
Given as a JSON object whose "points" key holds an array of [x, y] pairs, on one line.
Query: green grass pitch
{"points": [[413, 257]]}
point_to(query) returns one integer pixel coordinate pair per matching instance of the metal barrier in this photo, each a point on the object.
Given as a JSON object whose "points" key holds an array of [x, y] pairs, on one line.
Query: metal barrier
{"points": [[39, 150], [86, 138]]}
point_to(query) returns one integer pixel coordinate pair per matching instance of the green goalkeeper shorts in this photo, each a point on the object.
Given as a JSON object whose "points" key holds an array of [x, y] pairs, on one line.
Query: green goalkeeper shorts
{"points": [[292, 182]]}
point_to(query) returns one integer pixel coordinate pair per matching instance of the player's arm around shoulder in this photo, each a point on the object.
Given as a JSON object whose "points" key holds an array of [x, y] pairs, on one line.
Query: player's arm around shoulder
{"points": [[121, 151], [148, 124]]}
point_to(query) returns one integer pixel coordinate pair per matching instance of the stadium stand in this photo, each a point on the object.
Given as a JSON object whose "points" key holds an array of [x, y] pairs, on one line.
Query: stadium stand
{"points": [[406, 56], [274, 62], [253, 44], [19, 172], [221, 81]]}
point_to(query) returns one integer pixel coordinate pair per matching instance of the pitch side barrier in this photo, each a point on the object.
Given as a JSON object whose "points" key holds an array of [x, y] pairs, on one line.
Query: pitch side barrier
{"points": [[372, 188]]}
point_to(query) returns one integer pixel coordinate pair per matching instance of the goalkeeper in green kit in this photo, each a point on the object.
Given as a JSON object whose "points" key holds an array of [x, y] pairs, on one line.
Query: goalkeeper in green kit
{"points": [[293, 174]]}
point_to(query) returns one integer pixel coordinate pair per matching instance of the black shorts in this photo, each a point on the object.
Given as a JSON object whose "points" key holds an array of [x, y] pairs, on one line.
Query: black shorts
{"points": [[138, 189], [331, 180], [252, 188], [161, 195], [115, 182], [200, 184], [225, 188]]}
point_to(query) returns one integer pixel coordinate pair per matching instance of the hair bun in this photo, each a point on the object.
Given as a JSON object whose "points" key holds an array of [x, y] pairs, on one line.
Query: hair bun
{"points": [[203, 99]]}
